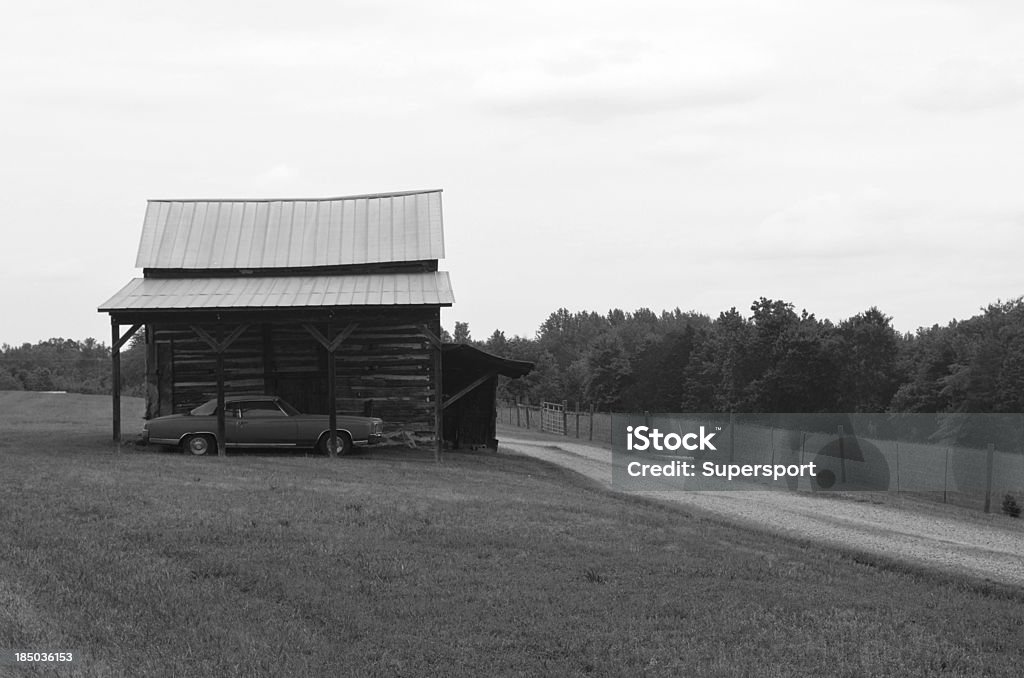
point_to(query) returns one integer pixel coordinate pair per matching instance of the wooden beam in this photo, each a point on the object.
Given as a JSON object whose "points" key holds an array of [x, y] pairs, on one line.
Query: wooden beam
{"points": [[476, 383], [120, 341], [439, 390], [332, 397], [221, 426], [152, 393], [218, 345], [433, 338], [115, 379], [331, 345]]}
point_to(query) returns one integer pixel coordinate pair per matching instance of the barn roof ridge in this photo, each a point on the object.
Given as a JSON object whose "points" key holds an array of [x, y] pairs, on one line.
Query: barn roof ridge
{"points": [[364, 196]]}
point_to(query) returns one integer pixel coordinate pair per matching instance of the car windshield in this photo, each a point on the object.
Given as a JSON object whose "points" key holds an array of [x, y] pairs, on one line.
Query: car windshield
{"points": [[206, 409], [291, 411]]}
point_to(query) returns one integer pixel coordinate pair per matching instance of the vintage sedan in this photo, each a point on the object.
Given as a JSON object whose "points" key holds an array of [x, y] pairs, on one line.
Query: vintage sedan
{"points": [[259, 422]]}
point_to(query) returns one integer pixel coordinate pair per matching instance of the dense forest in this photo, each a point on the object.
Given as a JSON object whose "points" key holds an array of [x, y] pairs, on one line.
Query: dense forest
{"points": [[68, 365], [773, 360]]}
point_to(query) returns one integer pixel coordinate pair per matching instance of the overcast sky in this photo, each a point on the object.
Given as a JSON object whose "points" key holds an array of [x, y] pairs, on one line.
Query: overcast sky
{"points": [[593, 155]]}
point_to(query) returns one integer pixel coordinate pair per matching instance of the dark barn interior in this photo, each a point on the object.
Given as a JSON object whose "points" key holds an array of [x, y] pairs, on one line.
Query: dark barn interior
{"points": [[470, 378]]}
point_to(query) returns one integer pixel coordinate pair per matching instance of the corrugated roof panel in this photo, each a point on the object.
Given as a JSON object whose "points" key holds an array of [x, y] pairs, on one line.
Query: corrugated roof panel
{"points": [[246, 236], [284, 292], [436, 232], [201, 234], [382, 289], [318, 243]]}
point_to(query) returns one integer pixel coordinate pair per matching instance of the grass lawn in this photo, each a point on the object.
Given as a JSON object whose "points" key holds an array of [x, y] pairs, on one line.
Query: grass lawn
{"points": [[389, 564]]}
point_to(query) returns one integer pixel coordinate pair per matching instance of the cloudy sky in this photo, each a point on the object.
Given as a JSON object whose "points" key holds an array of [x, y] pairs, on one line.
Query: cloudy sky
{"points": [[837, 155]]}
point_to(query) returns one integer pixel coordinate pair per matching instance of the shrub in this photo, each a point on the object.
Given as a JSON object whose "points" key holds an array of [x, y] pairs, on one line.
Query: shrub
{"points": [[1011, 507]]}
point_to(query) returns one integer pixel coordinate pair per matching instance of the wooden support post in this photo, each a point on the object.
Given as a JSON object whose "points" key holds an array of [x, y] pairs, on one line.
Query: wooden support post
{"points": [[438, 405], [332, 396], [591, 421], [565, 421], [219, 346], [989, 463], [115, 379], [438, 368], [152, 391], [222, 450], [117, 340], [331, 345]]}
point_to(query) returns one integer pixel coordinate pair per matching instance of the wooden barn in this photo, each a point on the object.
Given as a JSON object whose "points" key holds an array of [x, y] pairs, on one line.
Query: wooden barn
{"points": [[320, 301]]}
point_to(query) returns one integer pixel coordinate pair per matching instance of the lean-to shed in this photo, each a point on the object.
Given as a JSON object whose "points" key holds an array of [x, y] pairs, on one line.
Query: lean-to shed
{"points": [[320, 301]]}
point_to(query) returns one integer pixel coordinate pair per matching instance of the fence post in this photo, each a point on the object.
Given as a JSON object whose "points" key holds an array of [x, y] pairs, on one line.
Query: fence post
{"points": [[577, 420], [988, 477], [897, 467], [519, 423], [803, 444], [842, 454], [945, 478], [732, 437], [527, 416], [565, 418], [591, 421]]}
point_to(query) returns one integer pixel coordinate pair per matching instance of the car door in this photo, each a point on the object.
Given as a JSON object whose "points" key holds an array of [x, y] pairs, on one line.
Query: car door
{"points": [[261, 423]]}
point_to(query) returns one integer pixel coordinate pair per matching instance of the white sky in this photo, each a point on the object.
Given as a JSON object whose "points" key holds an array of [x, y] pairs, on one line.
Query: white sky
{"points": [[596, 154]]}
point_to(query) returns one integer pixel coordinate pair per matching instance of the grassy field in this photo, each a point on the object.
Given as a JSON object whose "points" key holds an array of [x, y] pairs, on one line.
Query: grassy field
{"points": [[388, 564]]}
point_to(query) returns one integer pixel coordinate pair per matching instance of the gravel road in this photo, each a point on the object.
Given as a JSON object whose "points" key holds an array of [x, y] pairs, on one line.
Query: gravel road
{"points": [[988, 547]]}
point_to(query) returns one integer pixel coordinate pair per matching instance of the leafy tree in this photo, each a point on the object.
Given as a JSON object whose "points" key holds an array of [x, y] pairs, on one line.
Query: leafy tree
{"points": [[461, 335]]}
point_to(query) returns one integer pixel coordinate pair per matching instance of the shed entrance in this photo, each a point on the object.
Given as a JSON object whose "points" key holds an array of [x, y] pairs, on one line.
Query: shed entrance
{"points": [[470, 381]]}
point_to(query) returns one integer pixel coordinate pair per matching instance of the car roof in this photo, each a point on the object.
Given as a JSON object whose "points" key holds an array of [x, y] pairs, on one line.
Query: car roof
{"points": [[236, 398]]}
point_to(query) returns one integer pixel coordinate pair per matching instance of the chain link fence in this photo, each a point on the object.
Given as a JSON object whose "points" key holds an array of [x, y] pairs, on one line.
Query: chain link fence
{"points": [[987, 477]]}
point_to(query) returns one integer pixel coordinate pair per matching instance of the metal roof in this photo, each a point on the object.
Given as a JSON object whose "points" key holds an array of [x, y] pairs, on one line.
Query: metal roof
{"points": [[466, 356], [248, 292], [361, 229]]}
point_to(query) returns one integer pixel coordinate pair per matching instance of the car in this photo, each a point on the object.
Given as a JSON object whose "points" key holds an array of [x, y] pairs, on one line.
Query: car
{"points": [[259, 422]]}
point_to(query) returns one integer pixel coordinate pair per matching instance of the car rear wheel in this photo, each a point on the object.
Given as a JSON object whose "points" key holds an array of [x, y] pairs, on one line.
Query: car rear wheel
{"points": [[199, 445], [344, 445]]}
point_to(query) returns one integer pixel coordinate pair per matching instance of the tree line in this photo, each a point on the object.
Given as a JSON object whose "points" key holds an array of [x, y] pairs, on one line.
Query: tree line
{"points": [[59, 364], [773, 359]]}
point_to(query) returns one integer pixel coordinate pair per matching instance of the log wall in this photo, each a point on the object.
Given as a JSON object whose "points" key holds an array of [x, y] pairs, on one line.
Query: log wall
{"points": [[384, 365]]}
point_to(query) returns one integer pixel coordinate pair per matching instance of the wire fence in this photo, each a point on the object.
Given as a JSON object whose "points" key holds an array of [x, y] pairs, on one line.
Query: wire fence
{"points": [[982, 478]]}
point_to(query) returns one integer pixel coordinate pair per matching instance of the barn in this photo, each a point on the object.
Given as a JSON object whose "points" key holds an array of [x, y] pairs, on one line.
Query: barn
{"points": [[330, 301]]}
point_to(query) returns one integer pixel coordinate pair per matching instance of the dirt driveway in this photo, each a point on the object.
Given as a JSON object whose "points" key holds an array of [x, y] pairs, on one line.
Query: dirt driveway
{"points": [[987, 546]]}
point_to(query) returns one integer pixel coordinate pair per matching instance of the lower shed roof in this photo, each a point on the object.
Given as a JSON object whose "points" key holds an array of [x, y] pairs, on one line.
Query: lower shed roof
{"points": [[431, 288]]}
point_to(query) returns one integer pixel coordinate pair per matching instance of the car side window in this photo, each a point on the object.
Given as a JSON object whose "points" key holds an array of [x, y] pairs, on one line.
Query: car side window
{"points": [[261, 409]]}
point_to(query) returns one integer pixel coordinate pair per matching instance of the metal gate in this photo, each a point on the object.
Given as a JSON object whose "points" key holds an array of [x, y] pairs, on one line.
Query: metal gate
{"points": [[552, 418]]}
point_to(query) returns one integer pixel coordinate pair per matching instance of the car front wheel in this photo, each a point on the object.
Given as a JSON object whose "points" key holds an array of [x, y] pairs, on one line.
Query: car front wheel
{"points": [[343, 447], [198, 445]]}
